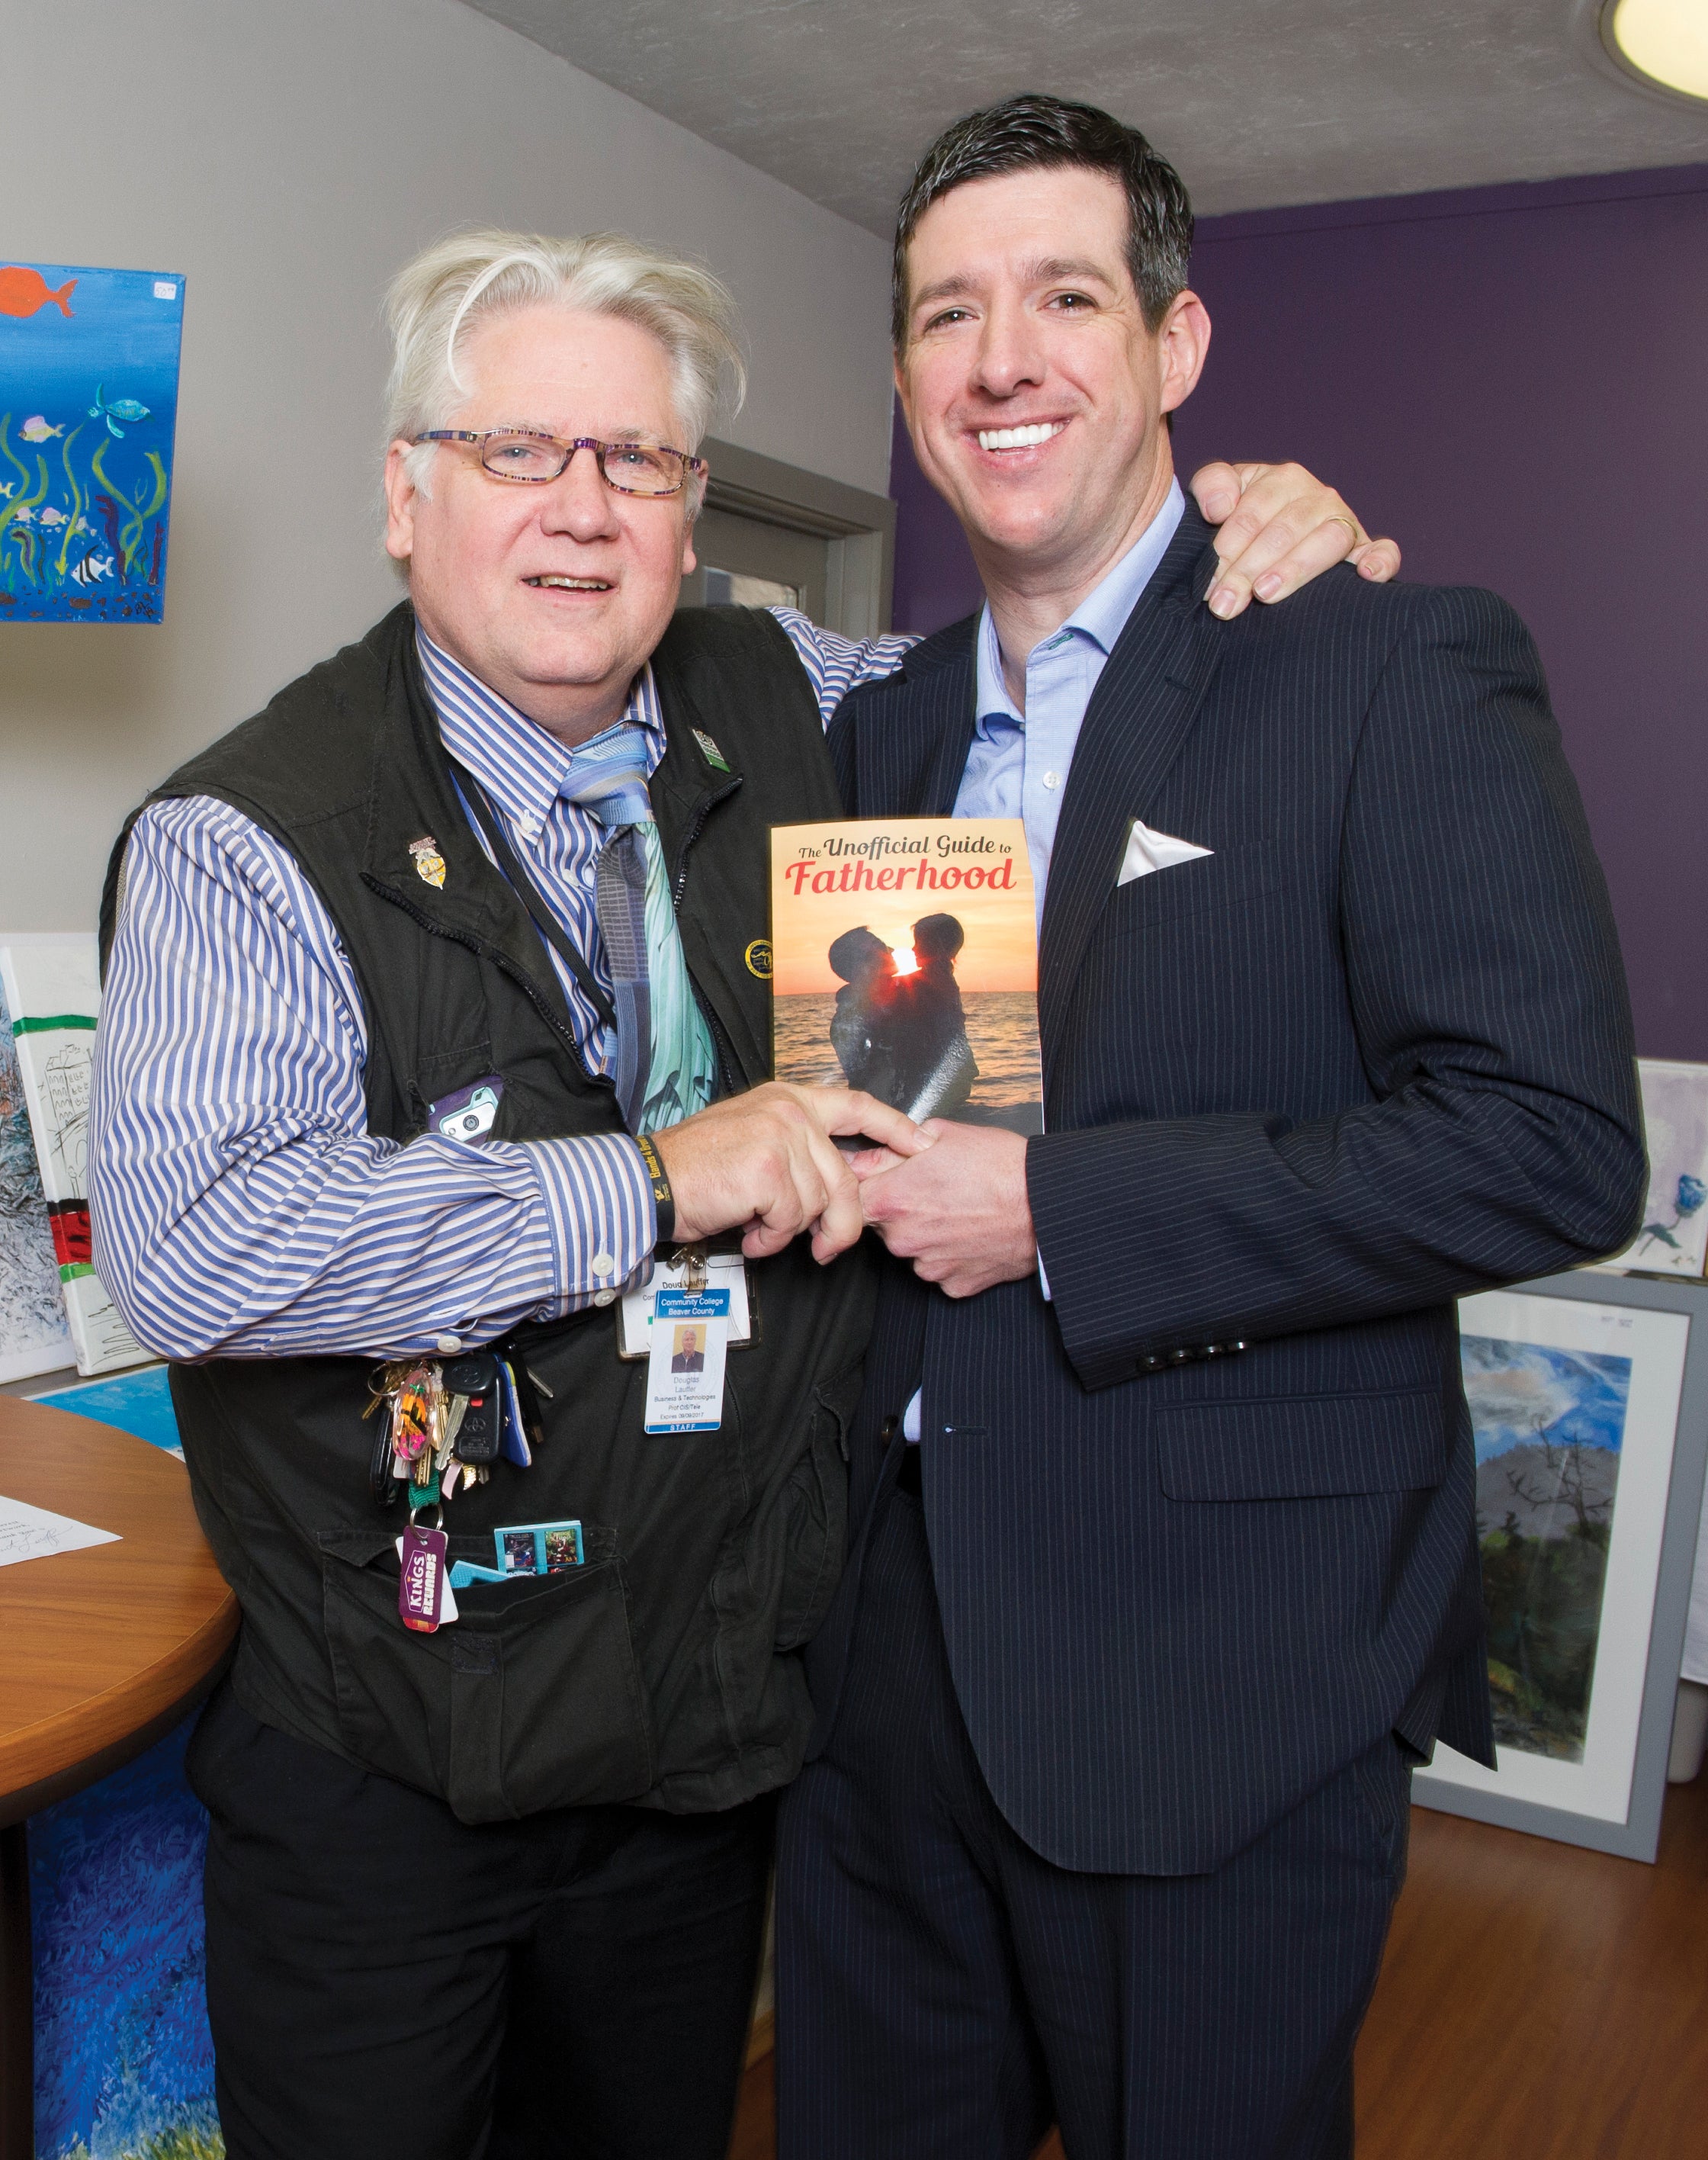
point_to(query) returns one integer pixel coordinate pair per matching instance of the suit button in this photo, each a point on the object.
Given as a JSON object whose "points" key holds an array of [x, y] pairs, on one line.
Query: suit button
{"points": [[1150, 1364], [1180, 1356], [889, 1430]]}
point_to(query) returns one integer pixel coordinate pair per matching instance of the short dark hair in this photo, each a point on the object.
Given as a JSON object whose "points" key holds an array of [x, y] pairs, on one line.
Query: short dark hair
{"points": [[1033, 131]]}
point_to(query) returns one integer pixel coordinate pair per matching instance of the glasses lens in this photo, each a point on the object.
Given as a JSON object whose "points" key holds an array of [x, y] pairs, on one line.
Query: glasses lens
{"points": [[642, 467], [522, 457]]}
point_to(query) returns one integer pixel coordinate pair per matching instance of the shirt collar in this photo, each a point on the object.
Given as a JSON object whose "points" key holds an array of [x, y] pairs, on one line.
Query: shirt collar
{"points": [[519, 765], [1101, 617]]}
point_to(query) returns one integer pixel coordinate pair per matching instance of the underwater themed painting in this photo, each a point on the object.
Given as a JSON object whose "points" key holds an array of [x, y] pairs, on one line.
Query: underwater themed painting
{"points": [[88, 403]]}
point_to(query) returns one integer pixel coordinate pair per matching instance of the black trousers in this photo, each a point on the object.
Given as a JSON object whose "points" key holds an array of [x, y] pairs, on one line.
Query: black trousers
{"points": [[943, 1993], [385, 1979]]}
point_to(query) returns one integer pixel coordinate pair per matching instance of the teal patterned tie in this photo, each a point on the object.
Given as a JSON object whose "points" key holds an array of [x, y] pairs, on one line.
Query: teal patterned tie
{"points": [[665, 1067]]}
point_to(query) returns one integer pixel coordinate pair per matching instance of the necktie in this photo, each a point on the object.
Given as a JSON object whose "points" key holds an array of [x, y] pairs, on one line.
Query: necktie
{"points": [[664, 1062]]}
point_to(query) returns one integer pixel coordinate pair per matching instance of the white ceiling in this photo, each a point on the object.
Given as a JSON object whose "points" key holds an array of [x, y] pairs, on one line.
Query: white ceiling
{"points": [[1258, 102]]}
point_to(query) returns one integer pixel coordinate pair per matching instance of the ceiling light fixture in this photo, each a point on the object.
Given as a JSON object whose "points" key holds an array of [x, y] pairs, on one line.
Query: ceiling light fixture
{"points": [[1663, 43]]}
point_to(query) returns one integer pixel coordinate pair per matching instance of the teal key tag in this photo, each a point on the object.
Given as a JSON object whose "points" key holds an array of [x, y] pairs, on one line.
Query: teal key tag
{"points": [[685, 1362]]}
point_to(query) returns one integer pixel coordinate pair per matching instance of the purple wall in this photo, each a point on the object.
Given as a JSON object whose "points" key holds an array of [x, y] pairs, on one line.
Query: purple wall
{"points": [[1512, 381]]}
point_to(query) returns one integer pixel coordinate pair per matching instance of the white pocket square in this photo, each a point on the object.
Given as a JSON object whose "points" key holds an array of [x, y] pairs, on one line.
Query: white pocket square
{"points": [[1148, 851]]}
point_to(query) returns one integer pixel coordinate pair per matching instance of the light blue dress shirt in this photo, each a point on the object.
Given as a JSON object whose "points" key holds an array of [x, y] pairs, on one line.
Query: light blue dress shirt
{"points": [[1018, 764]]}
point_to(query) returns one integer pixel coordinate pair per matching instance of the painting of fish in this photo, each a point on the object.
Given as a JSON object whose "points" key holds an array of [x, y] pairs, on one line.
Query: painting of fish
{"points": [[23, 289], [112, 410], [88, 413]]}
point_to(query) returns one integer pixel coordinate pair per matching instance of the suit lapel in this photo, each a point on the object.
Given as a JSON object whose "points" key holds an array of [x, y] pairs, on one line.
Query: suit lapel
{"points": [[1140, 715], [902, 742]]}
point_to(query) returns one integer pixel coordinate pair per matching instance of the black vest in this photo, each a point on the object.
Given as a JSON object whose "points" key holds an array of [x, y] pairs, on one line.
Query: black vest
{"points": [[667, 1667]]}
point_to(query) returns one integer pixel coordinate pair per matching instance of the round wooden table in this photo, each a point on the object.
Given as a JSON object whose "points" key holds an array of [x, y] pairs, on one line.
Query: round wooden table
{"points": [[101, 1652]]}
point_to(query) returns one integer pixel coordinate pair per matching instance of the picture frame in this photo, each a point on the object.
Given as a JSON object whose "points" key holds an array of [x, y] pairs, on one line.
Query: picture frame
{"points": [[1673, 1239], [1589, 1395]]}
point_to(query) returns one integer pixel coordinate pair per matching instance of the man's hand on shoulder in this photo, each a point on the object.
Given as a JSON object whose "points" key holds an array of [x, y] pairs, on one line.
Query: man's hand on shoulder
{"points": [[1279, 528], [765, 1163], [960, 1213]]}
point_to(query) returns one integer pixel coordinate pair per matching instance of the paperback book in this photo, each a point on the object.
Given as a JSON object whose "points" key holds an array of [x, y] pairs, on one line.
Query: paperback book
{"points": [[904, 962]]}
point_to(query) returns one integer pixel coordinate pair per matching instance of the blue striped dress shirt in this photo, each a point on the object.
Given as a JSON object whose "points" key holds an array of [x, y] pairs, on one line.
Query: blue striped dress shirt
{"points": [[241, 1206]]}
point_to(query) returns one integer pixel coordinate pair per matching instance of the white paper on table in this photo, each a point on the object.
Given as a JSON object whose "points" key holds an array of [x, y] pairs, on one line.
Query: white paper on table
{"points": [[27, 1533]]}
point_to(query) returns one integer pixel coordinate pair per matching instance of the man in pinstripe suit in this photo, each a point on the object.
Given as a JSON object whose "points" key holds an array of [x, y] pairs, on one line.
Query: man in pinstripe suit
{"points": [[1104, 1819]]}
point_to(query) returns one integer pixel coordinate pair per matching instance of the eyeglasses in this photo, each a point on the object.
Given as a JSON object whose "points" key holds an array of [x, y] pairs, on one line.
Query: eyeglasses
{"points": [[639, 466]]}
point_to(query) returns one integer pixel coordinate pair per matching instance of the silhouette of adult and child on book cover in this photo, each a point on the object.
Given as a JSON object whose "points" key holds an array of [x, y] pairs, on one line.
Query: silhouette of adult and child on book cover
{"points": [[903, 1037]]}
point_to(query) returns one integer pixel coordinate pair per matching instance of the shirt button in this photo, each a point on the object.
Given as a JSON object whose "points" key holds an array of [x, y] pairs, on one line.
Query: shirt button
{"points": [[1053, 780], [604, 1297], [603, 1265], [531, 829], [447, 1342]]}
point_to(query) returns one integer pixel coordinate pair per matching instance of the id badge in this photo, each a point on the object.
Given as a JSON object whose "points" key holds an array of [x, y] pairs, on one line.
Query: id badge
{"points": [[723, 1271], [685, 1366]]}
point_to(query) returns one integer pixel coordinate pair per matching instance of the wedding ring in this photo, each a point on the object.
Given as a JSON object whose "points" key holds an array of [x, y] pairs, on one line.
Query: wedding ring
{"points": [[1357, 538]]}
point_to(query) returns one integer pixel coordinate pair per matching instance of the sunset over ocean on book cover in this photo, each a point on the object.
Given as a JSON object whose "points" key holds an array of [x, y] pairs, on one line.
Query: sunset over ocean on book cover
{"points": [[904, 958]]}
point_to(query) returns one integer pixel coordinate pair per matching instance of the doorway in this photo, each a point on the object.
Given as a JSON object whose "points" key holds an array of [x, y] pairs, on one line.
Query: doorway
{"points": [[771, 535]]}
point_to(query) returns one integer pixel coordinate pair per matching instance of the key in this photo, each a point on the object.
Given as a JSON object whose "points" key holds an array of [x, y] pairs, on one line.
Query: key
{"points": [[478, 1431]]}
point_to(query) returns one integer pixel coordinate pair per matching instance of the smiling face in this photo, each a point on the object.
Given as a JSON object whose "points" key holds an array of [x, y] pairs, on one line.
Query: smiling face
{"points": [[555, 593], [1033, 391]]}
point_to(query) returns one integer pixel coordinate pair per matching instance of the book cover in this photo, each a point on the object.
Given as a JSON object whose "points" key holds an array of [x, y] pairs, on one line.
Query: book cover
{"points": [[53, 994], [904, 962]]}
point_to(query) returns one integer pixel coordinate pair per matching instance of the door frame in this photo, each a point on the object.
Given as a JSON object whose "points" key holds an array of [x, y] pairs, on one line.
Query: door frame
{"points": [[859, 528]]}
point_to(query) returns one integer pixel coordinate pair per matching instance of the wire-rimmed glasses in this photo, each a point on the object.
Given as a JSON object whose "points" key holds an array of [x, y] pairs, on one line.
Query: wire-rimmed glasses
{"points": [[638, 465]]}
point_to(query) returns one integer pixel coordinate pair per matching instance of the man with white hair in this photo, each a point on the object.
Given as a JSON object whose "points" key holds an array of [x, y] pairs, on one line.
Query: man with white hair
{"points": [[434, 1010]]}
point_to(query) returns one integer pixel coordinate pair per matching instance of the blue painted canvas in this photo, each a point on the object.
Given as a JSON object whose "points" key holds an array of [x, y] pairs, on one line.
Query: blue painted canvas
{"points": [[124, 2065], [138, 1403], [88, 405]]}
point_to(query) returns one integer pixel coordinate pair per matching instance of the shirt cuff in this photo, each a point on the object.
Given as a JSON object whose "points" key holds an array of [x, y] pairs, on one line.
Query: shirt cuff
{"points": [[599, 1216]]}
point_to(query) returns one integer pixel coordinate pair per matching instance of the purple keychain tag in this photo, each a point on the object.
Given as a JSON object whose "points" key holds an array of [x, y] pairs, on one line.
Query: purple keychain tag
{"points": [[421, 1581]]}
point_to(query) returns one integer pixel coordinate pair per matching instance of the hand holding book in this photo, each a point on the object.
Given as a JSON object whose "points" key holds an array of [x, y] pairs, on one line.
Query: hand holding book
{"points": [[766, 1163], [960, 1213]]}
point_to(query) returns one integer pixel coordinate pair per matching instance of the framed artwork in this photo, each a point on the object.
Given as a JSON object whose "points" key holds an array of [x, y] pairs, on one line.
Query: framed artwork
{"points": [[1673, 1239], [1589, 1399], [88, 406]]}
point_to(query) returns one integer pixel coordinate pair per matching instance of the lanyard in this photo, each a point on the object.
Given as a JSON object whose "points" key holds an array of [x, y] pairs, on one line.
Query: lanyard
{"points": [[474, 797]]}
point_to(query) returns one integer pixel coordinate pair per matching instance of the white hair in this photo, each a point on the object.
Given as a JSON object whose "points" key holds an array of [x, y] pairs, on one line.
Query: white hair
{"points": [[467, 277]]}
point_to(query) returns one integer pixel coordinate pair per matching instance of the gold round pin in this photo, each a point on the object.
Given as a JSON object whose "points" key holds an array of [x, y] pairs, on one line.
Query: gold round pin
{"points": [[759, 958]]}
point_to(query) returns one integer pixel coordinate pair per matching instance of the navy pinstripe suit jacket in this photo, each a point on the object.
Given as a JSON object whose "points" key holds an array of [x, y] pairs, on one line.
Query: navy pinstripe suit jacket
{"points": [[1373, 1051]]}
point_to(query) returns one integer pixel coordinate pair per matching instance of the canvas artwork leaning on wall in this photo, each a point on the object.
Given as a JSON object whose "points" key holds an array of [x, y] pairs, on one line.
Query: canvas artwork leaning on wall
{"points": [[88, 403]]}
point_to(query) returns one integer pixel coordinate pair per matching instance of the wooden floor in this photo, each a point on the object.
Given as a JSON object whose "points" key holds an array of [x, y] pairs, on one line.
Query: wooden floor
{"points": [[1537, 2002]]}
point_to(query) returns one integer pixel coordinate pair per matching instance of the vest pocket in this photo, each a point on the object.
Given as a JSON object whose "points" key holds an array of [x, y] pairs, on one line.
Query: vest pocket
{"points": [[816, 1514], [531, 1699]]}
